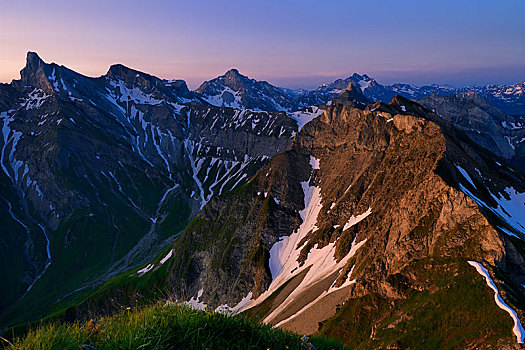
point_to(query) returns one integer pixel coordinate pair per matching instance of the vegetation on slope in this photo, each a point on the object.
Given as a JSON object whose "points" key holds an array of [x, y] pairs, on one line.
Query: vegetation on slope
{"points": [[171, 326], [456, 311]]}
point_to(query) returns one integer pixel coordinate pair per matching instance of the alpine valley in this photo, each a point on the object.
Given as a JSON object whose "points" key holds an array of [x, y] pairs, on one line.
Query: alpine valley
{"points": [[385, 216]]}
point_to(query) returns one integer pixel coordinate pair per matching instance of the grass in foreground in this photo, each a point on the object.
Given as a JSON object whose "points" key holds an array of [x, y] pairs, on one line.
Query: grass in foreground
{"points": [[167, 327]]}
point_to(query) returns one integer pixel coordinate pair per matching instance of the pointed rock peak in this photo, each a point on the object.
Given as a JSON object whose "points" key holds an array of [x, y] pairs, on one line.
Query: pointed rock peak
{"points": [[231, 79], [352, 96], [33, 61], [233, 75], [233, 72], [353, 88], [34, 73]]}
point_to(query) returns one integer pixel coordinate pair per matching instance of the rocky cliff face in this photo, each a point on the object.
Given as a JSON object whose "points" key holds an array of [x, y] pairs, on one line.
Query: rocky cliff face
{"points": [[486, 125], [371, 209]]}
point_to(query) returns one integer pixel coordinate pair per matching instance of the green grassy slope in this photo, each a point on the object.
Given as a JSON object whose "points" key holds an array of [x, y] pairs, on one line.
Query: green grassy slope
{"points": [[170, 326]]}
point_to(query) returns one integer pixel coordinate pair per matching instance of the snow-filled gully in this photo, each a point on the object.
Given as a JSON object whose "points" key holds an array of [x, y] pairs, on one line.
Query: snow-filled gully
{"points": [[320, 262], [518, 330]]}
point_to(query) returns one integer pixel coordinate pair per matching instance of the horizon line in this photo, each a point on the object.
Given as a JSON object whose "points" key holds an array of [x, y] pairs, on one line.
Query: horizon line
{"points": [[328, 77]]}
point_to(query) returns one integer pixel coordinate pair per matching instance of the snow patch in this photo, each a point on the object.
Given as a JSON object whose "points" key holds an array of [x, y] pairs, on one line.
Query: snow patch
{"points": [[148, 268], [133, 94], [196, 303], [233, 310], [305, 116], [518, 330], [363, 84], [166, 257], [35, 99], [314, 162], [512, 210]]}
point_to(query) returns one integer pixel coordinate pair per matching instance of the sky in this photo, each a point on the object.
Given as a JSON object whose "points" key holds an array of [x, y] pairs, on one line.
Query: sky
{"points": [[290, 43]]}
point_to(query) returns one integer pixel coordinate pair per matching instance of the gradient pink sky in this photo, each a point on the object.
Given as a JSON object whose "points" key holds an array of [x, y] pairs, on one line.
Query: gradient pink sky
{"points": [[291, 43]]}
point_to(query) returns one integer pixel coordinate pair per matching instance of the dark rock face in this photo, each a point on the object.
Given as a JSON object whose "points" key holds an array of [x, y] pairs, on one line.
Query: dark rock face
{"points": [[99, 174], [508, 98], [486, 125]]}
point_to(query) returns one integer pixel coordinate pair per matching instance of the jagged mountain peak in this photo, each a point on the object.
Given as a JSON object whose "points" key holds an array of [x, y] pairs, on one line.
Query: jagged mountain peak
{"points": [[353, 96], [239, 91], [232, 79], [234, 72], [358, 76], [353, 87], [33, 60], [148, 84], [34, 72]]}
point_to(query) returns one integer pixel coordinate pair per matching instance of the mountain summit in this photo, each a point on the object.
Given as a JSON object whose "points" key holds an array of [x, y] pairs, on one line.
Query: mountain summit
{"points": [[35, 73], [238, 91]]}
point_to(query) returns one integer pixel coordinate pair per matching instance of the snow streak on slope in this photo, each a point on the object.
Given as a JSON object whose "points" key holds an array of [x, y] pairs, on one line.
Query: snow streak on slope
{"points": [[10, 138], [356, 219], [465, 175], [332, 288], [48, 262], [320, 262], [35, 99], [214, 175], [518, 330], [510, 206], [163, 260], [284, 254]]}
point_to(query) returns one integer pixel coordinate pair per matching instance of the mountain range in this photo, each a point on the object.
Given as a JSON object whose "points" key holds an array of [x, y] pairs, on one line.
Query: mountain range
{"points": [[382, 215], [238, 91]]}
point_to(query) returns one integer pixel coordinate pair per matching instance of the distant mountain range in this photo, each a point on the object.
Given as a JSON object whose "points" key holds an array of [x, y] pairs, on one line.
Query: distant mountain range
{"points": [[238, 91], [383, 224]]}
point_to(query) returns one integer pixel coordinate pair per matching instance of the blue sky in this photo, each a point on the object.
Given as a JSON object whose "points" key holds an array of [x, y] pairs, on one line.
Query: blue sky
{"points": [[290, 43]]}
